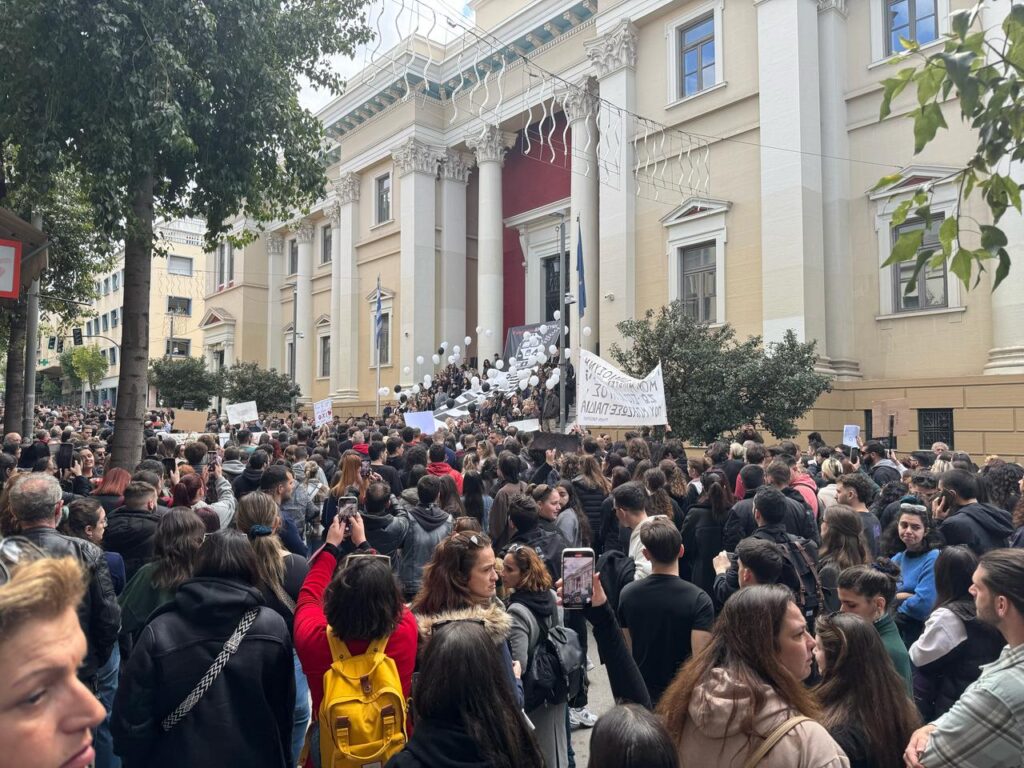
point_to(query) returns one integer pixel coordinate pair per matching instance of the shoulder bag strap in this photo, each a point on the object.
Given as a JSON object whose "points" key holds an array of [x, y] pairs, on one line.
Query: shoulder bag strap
{"points": [[213, 672], [773, 738]]}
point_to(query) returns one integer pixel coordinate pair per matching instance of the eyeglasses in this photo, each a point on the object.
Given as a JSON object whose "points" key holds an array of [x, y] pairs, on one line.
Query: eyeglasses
{"points": [[15, 551]]}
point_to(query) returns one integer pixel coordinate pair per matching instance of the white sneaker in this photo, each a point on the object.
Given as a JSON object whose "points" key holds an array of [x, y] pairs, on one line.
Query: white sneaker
{"points": [[582, 717], [590, 664]]}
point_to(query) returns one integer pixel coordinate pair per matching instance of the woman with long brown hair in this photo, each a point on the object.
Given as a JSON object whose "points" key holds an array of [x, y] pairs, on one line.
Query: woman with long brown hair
{"points": [[350, 483], [864, 702], [704, 527], [842, 546], [746, 685]]}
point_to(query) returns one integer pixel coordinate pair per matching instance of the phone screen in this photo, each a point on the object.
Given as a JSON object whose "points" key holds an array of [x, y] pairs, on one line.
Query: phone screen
{"points": [[577, 578], [169, 465], [364, 469], [347, 506]]}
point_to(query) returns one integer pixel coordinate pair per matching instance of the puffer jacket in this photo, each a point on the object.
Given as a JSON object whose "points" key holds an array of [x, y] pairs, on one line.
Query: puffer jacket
{"points": [[256, 687], [591, 499], [98, 613], [130, 533], [713, 735]]}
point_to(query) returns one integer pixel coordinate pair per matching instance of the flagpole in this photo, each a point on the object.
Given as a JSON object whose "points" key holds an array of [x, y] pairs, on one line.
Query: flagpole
{"points": [[377, 322]]}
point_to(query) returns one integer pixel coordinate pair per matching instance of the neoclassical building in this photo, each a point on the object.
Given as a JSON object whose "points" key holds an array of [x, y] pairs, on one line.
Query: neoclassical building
{"points": [[723, 153]]}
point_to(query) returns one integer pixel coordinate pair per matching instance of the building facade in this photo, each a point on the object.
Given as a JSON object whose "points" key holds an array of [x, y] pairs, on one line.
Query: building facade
{"points": [[176, 306], [722, 153]]}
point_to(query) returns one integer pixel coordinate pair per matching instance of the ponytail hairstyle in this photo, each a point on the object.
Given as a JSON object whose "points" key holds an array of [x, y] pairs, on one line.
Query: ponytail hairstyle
{"points": [[876, 579], [661, 502], [716, 495], [259, 519], [590, 468], [187, 490]]}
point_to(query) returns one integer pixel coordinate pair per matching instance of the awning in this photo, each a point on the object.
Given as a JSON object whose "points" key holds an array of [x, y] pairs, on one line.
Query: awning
{"points": [[33, 252]]}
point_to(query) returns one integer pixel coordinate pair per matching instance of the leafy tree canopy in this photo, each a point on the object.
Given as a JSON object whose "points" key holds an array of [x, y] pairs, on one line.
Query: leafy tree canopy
{"points": [[89, 364], [714, 382], [183, 380], [271, 390], [986, 75]]}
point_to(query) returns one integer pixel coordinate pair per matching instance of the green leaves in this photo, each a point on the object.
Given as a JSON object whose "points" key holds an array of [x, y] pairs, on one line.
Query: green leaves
{"points": [[927, 121], [893, 87], [906, 247]]}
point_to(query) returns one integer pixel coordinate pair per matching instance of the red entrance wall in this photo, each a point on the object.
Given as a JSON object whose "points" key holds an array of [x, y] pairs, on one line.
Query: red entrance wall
{"points": [[529, 181]]}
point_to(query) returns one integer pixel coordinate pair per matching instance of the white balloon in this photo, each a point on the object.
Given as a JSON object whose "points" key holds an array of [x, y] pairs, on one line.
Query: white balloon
{"points": [[427, 381], [419, 359], [475, 382], [586, 330], [523, 384], [468, 340], [492, 372], [415, 389], [444, 345], [534, 381], [407, 369], [567, 330], [383, 391], [543, 329], [489, 332], [499, 364], [550, 383], [553, 350], [541, 357], [479, 328], [451, 359], [557, 314], [436, 359], [456, 349]]}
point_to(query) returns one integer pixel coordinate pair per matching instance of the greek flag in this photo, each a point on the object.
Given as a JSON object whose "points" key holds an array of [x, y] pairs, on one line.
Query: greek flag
{"points": [[378, 321], [579, 268]]}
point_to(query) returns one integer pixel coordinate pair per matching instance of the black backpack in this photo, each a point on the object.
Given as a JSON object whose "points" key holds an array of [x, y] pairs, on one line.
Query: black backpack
{"points": [[800, 573], [557, 670], [617, 569]]}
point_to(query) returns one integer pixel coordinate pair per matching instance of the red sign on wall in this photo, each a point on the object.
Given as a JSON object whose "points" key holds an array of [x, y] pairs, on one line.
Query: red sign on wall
{"points": [[10, 268]]}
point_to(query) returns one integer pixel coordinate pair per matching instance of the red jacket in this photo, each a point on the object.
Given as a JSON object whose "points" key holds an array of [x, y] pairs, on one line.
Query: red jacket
{"points": [[442, 468], [310, 632]]}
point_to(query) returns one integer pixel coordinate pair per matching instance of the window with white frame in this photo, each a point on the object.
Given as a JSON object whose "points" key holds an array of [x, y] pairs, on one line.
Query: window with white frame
{"points": [[697, 238], [113, 355], [932, 291], [289, 352], [115, 316], [293, 256], [697, 282], [115, 281], [224, 264], [324, 360], [179, 305], [325, 244], [382, 195], [106, 285], [106, 323], [178, 347], [916, 20], [694, 46], [179, 265], [926, 290]]}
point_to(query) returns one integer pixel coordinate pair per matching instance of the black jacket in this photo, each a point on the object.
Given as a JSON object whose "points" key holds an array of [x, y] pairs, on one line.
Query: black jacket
{"points": [[591, 498], [244, 718], [980, 526], [439, 744], [98, 612], [130, 533], [702, 541], [740, 523], [247, 482], [546, 544]]}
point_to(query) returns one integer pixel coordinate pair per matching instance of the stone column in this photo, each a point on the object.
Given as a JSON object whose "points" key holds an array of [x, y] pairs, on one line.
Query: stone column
{"points": [[304, 232], [452, 309], [275, 326], [792, 240], [580, 106], [835, 144], [614, 59], [345, 289], [1007, 352], [490, 146], [416, 166]]}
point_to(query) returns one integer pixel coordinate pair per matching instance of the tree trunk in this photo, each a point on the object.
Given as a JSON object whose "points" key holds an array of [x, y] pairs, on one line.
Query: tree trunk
{"points": [[14, 403], [132, 384]]}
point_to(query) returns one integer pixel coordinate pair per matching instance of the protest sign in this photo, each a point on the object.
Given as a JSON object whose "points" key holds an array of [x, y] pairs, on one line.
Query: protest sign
{"points": [[322, 412], [526, 425], [850, 434], [881, 410], [605, 396], [239, 413], [424, 421], [564, 443], [190, 421]]}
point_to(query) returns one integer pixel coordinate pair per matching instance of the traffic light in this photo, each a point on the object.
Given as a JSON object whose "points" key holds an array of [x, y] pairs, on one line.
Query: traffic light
{"points": [[60, 345], [77, 336], [52, 343]]}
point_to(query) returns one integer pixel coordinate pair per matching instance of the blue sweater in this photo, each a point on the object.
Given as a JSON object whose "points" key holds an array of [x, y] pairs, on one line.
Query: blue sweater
{"points": [[917, 575]]}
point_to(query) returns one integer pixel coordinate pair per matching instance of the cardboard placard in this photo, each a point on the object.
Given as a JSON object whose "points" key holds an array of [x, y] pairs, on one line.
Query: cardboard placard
{"points": [[564, 443], [190, 421], [424, 421], [881, 410], [322, 412], [239, 413], [526, 425], [850, 434]]}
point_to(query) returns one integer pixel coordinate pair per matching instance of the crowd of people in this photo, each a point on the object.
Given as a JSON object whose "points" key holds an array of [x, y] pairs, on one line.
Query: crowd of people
{"points": [[364, 594]]}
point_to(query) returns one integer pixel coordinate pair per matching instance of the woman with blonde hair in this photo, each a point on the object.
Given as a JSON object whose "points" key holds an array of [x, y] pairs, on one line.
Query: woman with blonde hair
{"points": [[43, 726], [828, 494]]}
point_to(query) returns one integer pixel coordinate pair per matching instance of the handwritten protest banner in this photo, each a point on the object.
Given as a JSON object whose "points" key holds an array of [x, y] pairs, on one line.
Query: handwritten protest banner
{"points": [[322, 412], [606, 397], [239, 413]]}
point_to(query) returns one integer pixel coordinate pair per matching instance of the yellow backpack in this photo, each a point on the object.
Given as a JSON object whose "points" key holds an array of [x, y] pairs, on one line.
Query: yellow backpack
{"points": [[363, 712]]}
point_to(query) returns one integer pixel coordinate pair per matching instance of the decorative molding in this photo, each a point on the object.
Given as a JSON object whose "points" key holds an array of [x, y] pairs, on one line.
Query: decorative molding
{"points": [[275, 244], [332, 211], [615, 50], [346, 188], [416, 157], [303, 230], [580, 101], [455, 166], [490, 144], [838, 5]]}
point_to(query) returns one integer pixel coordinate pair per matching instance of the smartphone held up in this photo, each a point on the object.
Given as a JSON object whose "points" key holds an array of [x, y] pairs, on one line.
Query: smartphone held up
{"points": [[578, 565]]}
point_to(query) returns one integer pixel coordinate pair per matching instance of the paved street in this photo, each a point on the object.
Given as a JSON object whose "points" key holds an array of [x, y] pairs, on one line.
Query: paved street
{"points": [[600, 702]]}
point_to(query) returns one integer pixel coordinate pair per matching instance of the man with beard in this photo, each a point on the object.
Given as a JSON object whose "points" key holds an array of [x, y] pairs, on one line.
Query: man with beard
{"points": [[986, 725]]}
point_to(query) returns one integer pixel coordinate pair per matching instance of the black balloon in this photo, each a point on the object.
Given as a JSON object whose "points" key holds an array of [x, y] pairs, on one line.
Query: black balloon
{"points": [[402, 398], [440, 351], [398, 388], [451, 402], [486, 386]]}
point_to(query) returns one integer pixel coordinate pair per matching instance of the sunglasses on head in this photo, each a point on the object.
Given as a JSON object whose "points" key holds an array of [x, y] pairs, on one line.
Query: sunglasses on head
{"points": [[471, 539]]}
